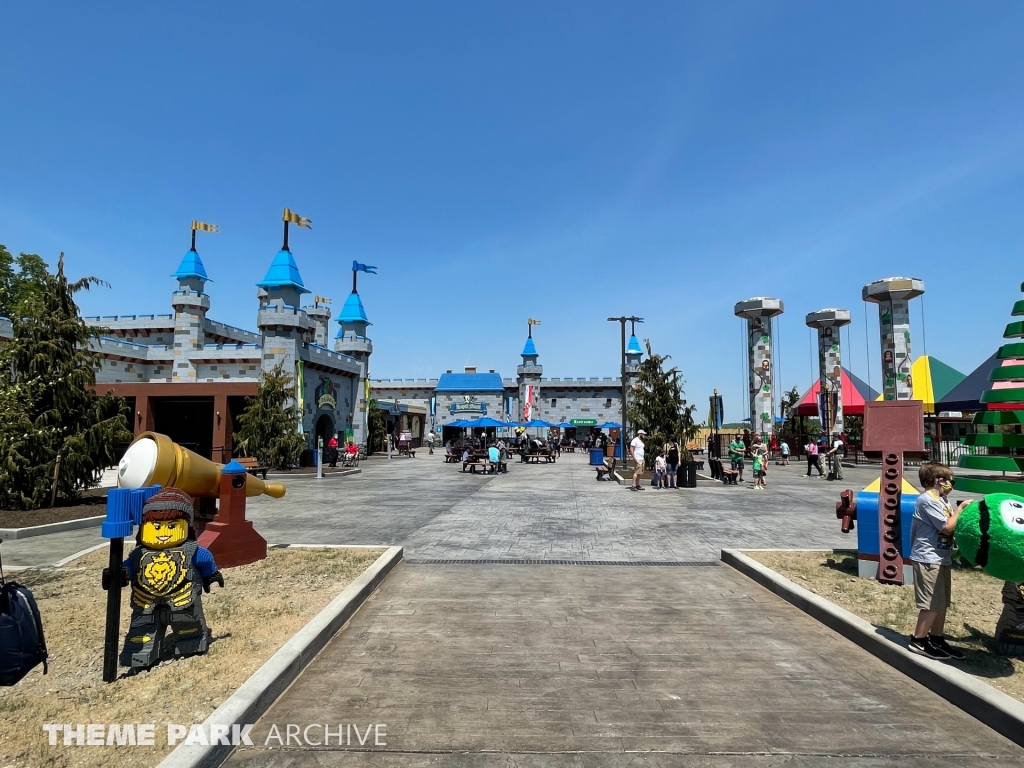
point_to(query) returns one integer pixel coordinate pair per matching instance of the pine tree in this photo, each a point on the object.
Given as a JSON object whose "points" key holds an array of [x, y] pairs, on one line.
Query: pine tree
{"points": [[48, 409], [270, 423], [659, 408], [999, 426]]}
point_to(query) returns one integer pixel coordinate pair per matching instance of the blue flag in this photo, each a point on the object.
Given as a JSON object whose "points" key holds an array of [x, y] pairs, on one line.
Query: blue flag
{"points": [[357, 267]]}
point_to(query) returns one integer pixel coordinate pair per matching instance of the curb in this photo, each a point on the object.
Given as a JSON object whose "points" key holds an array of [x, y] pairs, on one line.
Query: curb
{"points": [[287, 476], [1000, 712], [13, 534], [267, 683]]}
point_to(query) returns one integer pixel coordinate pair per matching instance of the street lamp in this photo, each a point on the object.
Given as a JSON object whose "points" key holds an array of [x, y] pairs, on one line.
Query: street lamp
{"points": [[622, 324]]}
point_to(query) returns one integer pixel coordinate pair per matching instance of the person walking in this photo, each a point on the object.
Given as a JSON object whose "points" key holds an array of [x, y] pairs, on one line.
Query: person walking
{"points": [[784, 451], [736, 450], [813, 459], [836, 452], [636, 447], [332, 450], [430, 443], [672, 463]]}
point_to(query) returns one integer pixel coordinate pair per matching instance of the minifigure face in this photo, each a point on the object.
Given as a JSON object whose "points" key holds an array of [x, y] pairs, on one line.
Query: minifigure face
{"points": [[162, 534]]}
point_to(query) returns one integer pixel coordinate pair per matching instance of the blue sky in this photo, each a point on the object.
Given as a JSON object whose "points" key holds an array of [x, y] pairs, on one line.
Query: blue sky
{"points": [[565, 161]]}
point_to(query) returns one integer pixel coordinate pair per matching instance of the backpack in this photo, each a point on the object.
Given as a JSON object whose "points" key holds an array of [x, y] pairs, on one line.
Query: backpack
{"points": [[22, 646]]}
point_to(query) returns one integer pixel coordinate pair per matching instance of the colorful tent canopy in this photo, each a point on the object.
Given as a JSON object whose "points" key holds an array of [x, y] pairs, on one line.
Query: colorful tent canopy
{"points": [[932, 380], [855, 392], [966, 396]]}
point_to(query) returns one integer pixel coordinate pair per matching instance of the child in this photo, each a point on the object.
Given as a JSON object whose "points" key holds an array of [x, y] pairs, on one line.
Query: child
{"points": [[758, 457], [661, 470], [932, 554]]}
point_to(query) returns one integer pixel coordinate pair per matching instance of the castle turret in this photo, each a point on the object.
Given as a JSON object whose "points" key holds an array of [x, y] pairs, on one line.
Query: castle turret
{"points": [[190, 305], [281, 320], [528, 376]]}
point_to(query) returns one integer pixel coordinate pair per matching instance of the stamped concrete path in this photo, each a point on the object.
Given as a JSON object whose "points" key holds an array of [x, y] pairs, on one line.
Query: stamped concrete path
{"points": [[682, 663]]}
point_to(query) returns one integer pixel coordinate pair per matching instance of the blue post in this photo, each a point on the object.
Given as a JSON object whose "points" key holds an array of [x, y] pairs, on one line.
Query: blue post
{"points": [[124, 512]]}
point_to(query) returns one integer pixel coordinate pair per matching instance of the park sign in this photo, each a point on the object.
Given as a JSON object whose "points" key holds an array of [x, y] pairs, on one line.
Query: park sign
{"points": [[583, 422], [468, 404], [326, 394]]}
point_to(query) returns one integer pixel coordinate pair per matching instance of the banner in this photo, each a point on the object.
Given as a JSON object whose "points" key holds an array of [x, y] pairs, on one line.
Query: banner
{"points": [[200, 226], [528, 403], [294, 218], [716, 412]]}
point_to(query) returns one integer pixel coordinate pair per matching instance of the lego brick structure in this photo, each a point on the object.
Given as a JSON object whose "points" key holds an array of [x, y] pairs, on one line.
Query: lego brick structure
{"points": [[758, 312]]}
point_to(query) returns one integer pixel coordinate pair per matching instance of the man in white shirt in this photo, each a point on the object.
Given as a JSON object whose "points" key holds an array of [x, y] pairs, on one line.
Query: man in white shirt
{"points": [[637, 449], [835, 453]]}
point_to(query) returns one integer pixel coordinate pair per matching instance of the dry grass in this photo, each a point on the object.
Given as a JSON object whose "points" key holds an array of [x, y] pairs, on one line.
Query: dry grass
{"points": [[970, 622], [262, 605]]}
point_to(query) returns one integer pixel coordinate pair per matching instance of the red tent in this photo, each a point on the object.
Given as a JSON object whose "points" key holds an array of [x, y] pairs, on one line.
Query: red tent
{"points": [[855, 392]]}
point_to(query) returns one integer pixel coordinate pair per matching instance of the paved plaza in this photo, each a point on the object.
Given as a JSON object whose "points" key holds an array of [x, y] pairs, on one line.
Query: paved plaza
{"points": [[670, 659]]}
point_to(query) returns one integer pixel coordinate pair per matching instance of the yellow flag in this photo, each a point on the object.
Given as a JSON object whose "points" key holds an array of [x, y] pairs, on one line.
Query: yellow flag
{"points": [[200, 226], [531, 321], [294, 218]]}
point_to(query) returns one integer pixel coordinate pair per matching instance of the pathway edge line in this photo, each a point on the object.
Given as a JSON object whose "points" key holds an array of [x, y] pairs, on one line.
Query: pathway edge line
{"points": [[13, 534], [266, 684], [999, 711]]}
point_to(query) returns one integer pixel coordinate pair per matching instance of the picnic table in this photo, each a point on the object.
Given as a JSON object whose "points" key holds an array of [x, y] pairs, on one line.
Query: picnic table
{"points": [[535, 457]]}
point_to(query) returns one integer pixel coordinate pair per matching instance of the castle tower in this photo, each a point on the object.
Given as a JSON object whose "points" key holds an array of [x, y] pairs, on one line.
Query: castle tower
{"points": [[281, 320], [320, 317], [353, 341], [190, 305], [830, 366], [893, 295], [528, 376], [758, 313], [633, 355]]}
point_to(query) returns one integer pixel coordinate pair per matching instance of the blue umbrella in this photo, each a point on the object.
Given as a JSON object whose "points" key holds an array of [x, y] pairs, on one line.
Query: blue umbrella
{"points": [[610, 425], [565, 425], [538, 423], [458, 424], [485, 422]]}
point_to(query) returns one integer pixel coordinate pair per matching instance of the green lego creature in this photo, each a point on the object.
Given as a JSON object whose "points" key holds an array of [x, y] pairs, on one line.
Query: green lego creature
{"points": [[990, 534]]}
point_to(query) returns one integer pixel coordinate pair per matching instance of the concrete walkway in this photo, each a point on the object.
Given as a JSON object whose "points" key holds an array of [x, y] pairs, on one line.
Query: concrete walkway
{"points": [[469, 664]]}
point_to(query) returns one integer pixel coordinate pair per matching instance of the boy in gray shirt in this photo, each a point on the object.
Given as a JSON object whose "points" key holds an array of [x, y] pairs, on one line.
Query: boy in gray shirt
{"points": [[932, 547]]}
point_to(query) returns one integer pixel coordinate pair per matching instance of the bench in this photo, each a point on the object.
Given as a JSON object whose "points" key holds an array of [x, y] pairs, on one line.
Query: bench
{"points": [[603, 472], [719, 472], [451, 458], [253, 467], [474, 464]]}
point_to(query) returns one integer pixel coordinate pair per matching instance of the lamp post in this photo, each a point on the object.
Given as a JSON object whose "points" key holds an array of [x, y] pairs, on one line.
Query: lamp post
{"points": [[622, 325]]}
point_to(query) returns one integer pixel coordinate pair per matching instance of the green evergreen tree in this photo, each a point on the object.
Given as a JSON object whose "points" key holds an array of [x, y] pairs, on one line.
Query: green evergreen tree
{"points": [[270, 423], [658, 407], [48, 409], [21, 282]]}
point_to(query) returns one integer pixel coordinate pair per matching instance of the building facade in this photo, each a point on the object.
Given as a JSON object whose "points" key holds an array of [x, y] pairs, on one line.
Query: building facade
{"points": [[582, 402], [187, 375]]}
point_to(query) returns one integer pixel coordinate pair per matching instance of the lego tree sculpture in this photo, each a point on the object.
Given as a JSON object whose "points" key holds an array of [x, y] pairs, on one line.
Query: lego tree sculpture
{"points": [[998, 432]]}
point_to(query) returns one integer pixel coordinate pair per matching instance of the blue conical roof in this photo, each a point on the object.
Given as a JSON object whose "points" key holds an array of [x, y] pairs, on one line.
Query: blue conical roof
{"points": [[633, 348], [283, 273], [352, 311], [530, 350], [191, 266]]}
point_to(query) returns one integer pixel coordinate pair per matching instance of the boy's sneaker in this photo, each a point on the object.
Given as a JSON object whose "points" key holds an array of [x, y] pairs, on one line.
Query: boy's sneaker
{"points": [[925, 647], [941, 644]]}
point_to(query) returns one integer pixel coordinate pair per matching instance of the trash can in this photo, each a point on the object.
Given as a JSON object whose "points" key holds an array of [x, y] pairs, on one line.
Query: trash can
{"points": [[618, 450], [596, 457], [686, 477]]}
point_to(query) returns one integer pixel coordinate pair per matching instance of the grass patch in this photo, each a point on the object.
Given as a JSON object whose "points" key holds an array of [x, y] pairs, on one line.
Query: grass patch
{"points": [[261, 606], [970, 621]]}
